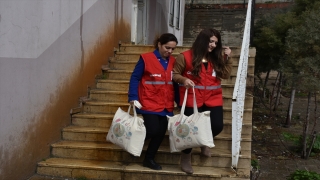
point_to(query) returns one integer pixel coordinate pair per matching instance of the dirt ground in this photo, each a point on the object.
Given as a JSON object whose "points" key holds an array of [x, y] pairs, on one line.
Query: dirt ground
{"points": [[277, 156]]}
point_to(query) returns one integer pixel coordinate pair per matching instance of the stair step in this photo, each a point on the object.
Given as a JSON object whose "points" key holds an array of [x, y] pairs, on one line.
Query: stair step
{"points": [[92, 120], [103, 106], [105, 120], [146, 48], [94, 169], [122, 95], [126, 75], [112, 85], [123, 85], [138, 49], [98, 134], [112, 107], [110, 152], [130, 65], [134, 56]]}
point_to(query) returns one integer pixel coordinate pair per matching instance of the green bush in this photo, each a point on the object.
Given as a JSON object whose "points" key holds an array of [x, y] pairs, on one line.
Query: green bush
{"points": [[255, 164], [304, 175], [297, 140]]}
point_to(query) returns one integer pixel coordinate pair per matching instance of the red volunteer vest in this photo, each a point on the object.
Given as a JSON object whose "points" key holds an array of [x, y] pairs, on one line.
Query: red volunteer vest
{"points": [[207, 89], [156, 91]]}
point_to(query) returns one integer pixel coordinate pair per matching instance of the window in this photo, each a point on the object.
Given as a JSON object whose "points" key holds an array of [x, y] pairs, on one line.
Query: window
{"points": [[174, 16], [171, 17], [178, 15]]}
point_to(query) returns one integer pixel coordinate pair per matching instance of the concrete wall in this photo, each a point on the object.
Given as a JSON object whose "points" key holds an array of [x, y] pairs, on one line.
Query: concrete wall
{"points": [[229, 19], [50, 51]]}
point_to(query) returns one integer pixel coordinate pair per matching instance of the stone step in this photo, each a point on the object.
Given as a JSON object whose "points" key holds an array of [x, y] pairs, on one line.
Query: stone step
{"points": [[105, 120], [94, 169], [114, 85], [130, 65], [126, 74], [110, 152], [123, 85], [146, 48], [122, 95], [138, 49], [98, 134], [134, 56], [45, 177], [112, 107]]}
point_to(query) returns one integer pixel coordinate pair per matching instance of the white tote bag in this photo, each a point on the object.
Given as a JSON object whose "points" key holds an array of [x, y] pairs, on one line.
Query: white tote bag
{"points": [[190, 131], [127, 131]]}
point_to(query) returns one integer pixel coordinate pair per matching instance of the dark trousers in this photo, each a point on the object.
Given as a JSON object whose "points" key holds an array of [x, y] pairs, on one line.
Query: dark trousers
{"points": [[216, 119], [156, 127]]}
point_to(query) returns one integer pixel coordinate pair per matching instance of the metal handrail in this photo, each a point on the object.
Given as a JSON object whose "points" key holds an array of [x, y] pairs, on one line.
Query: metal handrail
{"points": [[239, 91]]}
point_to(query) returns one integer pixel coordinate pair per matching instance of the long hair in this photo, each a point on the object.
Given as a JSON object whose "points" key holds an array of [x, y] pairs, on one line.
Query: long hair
{"points": [[164, 39], [200, 51]]}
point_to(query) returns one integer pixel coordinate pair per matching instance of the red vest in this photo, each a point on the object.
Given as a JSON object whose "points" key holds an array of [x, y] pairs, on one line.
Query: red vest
{"points": [[207, 89], [156, 91]]}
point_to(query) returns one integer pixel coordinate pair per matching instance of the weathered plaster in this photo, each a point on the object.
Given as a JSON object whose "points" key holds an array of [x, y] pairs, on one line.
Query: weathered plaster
{"points": [[38, 93]]}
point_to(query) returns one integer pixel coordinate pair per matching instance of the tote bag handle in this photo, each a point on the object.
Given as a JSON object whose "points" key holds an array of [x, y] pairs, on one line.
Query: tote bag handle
{"points": [[195, 108], [133, 109]]}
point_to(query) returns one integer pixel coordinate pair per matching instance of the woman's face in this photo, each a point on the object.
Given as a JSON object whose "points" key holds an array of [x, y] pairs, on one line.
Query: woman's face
{"points": [[166, 49], [212, 43]]}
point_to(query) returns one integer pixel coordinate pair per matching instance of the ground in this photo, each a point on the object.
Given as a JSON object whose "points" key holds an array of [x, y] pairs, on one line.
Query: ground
{"points": [[277, 156]]}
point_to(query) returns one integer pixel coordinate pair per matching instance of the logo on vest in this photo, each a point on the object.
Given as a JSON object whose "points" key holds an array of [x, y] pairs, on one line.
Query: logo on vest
{"points": [[214, 73], [155, 75], [189, 72]]}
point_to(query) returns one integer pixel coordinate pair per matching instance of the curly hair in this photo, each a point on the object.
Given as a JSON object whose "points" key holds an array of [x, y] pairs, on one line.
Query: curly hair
{"points": [[200, 50]]}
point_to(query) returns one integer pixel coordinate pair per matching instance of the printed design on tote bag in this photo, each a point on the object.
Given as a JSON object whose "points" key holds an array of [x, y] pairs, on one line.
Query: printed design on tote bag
{"points": [[119, 129], [182, 130]]}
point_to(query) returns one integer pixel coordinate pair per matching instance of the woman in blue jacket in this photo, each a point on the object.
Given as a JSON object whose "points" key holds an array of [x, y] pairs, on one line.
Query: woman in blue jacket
{"points": [[151, 86]]}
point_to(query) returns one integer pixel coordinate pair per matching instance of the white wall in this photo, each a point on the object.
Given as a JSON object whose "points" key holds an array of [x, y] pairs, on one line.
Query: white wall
{"points": [[158, 20], [45, 47]]}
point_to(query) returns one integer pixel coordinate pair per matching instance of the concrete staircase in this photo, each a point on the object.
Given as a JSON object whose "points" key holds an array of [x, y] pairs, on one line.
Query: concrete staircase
{"points": [[84, 153]]}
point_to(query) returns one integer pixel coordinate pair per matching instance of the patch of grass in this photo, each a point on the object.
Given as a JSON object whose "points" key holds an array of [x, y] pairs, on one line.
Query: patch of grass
{"points": [[304, 175], [297, 140]]}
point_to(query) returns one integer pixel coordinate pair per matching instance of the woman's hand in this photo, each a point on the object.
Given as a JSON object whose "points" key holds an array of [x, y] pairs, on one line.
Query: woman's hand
{"points": [[136, 104], [188, 83], [227, 50]]}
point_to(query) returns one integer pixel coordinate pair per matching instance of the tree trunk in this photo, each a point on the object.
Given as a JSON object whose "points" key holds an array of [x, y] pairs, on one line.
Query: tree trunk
{"points": [[278, 92], [265, 85], [305, 129], [289, 113], [315, 113], [272, 95], [314, 137]]}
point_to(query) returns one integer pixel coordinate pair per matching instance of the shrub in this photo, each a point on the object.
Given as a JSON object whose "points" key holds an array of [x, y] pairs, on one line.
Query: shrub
{"points": [[304, 175]]}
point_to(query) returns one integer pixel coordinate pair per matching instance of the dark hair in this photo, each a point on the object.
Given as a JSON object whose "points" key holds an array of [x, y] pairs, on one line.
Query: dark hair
{"points": [[164, 39], [200, 51]]}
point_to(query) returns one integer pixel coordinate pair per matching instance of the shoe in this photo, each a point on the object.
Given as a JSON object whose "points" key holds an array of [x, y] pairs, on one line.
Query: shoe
{"points": [[150, 163], [185, 163], [205, 151]]}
